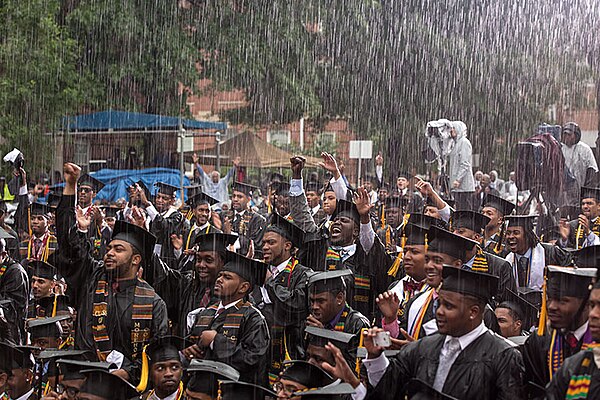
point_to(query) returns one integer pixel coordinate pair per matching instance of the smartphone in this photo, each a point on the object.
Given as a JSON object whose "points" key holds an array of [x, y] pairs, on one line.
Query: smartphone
{"points": [[382, 339]]}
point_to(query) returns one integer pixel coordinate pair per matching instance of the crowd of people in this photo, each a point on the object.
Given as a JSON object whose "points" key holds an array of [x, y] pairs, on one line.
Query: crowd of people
{"points": [[313, 289]]}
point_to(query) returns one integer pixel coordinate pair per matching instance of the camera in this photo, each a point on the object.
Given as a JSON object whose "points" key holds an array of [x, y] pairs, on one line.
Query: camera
{"points": [[15, 158]]}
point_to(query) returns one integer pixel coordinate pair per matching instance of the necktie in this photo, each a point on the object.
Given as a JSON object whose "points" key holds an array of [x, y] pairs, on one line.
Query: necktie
{"points": [[447, 358], [205, 298], [37, 244], [571, 340], [522, 267]]}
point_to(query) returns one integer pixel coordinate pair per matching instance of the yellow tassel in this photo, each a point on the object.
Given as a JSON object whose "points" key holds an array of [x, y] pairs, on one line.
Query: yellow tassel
{"points": [[498, 246], [393, 271], [426, 243], [578, 236], [388, 237], [383, 215], [145, 371], [543, 310], [360, 344], [54, 306]]}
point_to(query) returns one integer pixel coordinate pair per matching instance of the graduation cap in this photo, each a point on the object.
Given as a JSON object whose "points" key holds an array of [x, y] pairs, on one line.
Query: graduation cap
{"points": [[587, 257], [40, 209], [333, 391], [395, 202], [217, 242], [469, 219], [312, 186], [71, 367], [590, 193], [101, 383], [61, 302], [525, 311], [405, 174], [88, 180], [111, 211], [504, 206], [328, 188], [422, 220], [471, 283], [50, 354], [138, 237], [46, 327], [9, 357], [286, 229], [305, 374], [276, 177], [244, 188], [443, 241], [24, 359], [192, 190], [236, 390], [166, 348], [347, 208], [524, 221], [5, 235], [328, 281], [201, 198], [53, 199], [205, 375], [281, 188], [415, 234], [320, 337], [165, 188], [41, 269], [569, 282], [142, 186], [253, 271], [417, 389]]}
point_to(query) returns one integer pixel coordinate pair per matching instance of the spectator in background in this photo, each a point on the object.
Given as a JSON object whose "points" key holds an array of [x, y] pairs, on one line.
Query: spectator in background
{"points": [[495, 182], [213, 185], [485, 187], [510, 191], [579, 158], [477, 177], [460, 168]]}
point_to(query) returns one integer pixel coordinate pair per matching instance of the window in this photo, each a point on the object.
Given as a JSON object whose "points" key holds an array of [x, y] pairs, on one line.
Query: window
{"points": [[280, 137], [326, 138]]}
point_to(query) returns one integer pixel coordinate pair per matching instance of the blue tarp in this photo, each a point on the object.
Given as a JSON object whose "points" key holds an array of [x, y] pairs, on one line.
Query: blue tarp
{"points": [[118, 180], [123, 120]]}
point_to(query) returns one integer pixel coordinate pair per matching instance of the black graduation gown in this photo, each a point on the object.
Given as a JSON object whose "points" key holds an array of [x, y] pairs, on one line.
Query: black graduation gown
{"points": [[489, 368], [557, 389], [249, 226], [242, 343], [14, 289], [535, 356], [503, 270], [186, 263], [572, 241], [82, 273], [163, 227], [491, 247], [99, 239], [12, 244], [352, 323], [286, 313]]}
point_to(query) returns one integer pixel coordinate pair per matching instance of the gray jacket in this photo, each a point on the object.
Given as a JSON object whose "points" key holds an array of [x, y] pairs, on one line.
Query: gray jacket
{"points": [[461, 159]]}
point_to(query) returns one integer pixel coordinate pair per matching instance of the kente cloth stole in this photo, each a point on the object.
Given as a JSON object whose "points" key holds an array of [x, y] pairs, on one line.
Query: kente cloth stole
{"points": [[362, 288], [231, 325], [555, 353], [480, 263], [341, 324], [579, 384], [3, 270], [279, 350], [141, 317], [332, 259]]}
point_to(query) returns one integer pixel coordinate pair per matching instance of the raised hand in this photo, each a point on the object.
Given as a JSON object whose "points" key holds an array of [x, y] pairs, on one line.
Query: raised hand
{"points": [[312, 321], [388, 303], [341, 370], [330, 164], [71, 172], [297, 164], [564, 229], [363, 204], [397, 344], [138, 217], [177, 241], [372, 350], [195, 158], [379, 159], [423, 186], [585, 224], [84, 220]]}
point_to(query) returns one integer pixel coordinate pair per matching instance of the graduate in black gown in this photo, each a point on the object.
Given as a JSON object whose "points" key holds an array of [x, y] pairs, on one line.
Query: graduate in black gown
{"points": [[117, 312], [204, 377], [14, 292], [232, 331], [247, 224], [496, 208], [298, 376], [580, 373], [283, 299], [464, 359], [567, 308], [98, 235]]}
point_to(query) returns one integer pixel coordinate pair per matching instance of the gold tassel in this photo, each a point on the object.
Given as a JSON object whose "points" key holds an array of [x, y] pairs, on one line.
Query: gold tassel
{"points": [[360, 344], [543, 310], [54, 306], [393, 271], [388, 237], [578, 236], [145, 371], [219, 397], [383, 215], [498, 246]]}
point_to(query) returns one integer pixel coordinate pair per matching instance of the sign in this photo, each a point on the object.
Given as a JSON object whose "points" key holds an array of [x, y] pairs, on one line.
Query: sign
{"points": [[188, 144], [361, 149]]}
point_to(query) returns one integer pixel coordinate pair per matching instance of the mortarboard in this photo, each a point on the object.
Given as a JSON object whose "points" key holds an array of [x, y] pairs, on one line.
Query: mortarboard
{"points": [[328, 280], [253, 271], [138, 237], [88, 180], [328, 188], [471, 283], [201, 198], [443, 241], [569, 282], [53, 199], [504, 206], [305, 374], [111, 211], [50, 354], [48, 303], [5, 235], [415, 234], [469, 219], [244, 188], [527, 312], [347, 208], [142, 186], [205, 375], [281, 188], [590, 193], [101, 383], [71, 367], [333, 391], [46, 327], [166, 348], [396, 202], [286, 229], [192, 190], [24, 359], [587, 257], [236, 390], [41, 269], [320, 337], [217, 242], [422, 220], [10, 357], [525, 221], [417, 389], [40, 209], [313, 187], [166, 188], [405, 175]]}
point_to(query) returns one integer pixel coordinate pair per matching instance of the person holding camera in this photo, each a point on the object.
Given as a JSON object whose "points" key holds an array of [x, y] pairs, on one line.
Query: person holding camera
{"points": [[460, 168]]}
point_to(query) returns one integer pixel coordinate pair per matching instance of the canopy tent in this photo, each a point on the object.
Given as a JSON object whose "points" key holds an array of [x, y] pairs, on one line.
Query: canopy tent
{"points": [[112, 120], [253, 151]]}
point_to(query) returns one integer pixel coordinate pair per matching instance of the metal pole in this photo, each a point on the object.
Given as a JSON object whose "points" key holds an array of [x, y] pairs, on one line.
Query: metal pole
{"points": [[218, 137], [302, 133], [359, 162], [181, 164]]}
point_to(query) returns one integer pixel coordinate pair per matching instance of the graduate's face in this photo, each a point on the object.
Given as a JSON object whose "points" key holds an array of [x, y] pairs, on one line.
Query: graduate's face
{"points": [[286, 387], [515, 238], [42, 287], [110, 221], [494, 216], [413, 260], [276, 249], [166, 376], [509, 326], [590, 208], [121, 259], [239, 201], [343, 230], [282, 204], [318, 355], [563, 312], [313, 199], [85, 194], [402, 183], [325, 306], [208, 265], [434, 264], [230, 286], [432, 211], [329, 202], [393, 216], [163, 201], [39, 224], [19, 382], [46, 342], [382, 194], [71, 388], [202, 213], [455, 314], [594, 317]]}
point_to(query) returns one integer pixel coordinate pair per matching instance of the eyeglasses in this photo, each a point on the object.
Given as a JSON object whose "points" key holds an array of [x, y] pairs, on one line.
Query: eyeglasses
{"points": [[84, 190], [280, 387], [70, 391]]}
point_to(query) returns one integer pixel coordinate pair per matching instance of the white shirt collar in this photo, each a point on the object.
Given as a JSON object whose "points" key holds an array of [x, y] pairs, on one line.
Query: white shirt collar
{"points": [[470, 337], [203, 226], [26, 395], [227, 306], [579, 332], [471, 261], [282, 266], [240, 212], [314, 210], [172, 396]]}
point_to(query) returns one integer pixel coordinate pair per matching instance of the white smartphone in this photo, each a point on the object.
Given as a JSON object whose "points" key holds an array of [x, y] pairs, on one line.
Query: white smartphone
{"points": [[382, 340]]}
